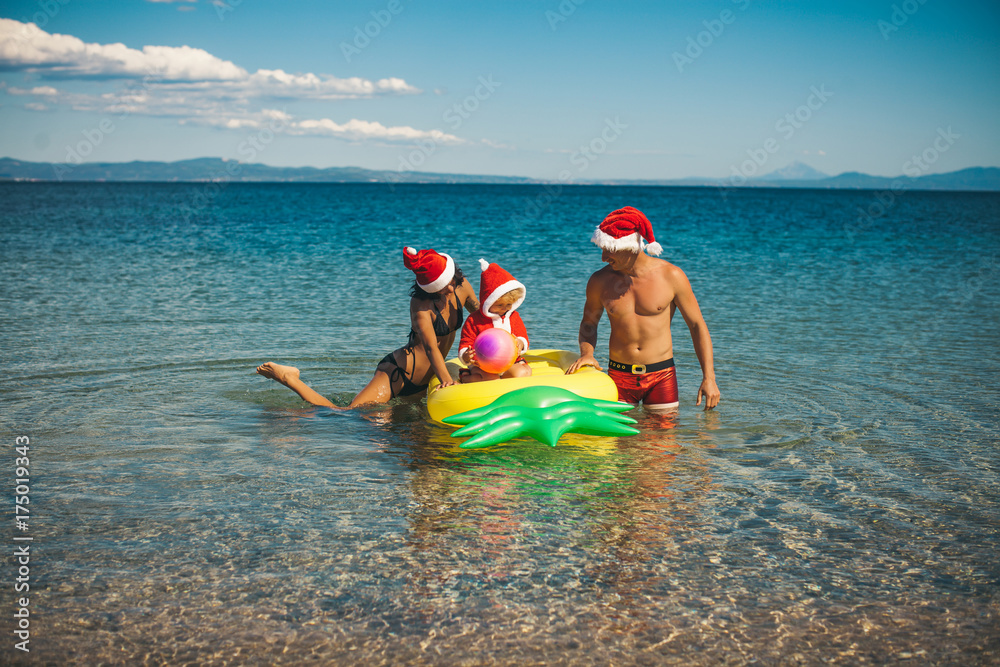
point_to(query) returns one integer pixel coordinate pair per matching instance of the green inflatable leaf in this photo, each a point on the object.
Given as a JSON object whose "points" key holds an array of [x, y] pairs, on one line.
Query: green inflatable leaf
{"points": [[558, 411], [534, 397], [545, 414]]}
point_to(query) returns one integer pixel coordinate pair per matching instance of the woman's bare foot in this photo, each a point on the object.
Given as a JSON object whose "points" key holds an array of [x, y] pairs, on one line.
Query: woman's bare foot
{"points": [[289, 376], [283, 374]]}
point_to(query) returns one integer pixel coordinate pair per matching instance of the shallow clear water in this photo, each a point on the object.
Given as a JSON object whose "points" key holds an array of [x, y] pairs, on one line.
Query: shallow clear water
{"points": [[840, 506]]}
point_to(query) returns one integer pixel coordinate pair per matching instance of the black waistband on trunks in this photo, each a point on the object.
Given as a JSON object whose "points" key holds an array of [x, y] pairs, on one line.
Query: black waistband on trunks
{"points": [[639, 369]]}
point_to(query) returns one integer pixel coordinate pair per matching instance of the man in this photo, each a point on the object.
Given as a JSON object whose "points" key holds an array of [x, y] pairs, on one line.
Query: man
{"points": [[639, 294]]}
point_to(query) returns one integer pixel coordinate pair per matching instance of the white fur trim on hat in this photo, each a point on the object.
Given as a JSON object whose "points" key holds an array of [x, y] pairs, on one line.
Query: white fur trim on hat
{"points": [[442, 280], [498, 292], [633, 242], [490, 274]]}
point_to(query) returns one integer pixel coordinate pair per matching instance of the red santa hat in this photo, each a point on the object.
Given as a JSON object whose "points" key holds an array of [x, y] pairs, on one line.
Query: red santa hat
{"points": [[434, 270], [626, 229], [493, 284]]}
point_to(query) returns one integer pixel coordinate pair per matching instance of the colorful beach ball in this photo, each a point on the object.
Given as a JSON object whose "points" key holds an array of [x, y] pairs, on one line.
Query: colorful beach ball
{"points": [[496, 350]]}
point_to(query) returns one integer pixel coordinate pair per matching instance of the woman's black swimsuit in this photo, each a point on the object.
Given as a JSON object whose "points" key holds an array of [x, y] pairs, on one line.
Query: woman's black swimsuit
{"points": [[441, 329]]}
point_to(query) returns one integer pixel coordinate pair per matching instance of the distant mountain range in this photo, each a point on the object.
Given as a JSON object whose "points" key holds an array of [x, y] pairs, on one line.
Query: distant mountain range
{"points": [[217, 169], [796, 171], [795, 175], [799, 175]]}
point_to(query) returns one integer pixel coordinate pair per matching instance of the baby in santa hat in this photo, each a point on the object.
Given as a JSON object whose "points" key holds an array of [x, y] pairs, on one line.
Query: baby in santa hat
{"points": [[500, 295]]}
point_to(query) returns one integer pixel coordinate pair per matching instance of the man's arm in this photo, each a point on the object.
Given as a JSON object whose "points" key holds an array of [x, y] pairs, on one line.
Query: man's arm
{"points": [[592, 311], [688, 305]]}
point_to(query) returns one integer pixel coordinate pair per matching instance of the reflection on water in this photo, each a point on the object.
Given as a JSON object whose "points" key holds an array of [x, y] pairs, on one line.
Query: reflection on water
{"points": [[840, 507], [401, 547]]}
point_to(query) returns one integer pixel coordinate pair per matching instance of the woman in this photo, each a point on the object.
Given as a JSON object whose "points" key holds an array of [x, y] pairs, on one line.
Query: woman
{"points": [[436, 299]]}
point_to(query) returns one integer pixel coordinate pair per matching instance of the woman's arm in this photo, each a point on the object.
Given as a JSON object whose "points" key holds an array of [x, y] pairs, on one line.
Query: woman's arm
{"points": [[423, 324], [467, 296]]}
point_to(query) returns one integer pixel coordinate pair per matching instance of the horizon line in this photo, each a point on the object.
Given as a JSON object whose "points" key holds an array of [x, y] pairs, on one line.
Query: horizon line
{"points": [[708, 181]]}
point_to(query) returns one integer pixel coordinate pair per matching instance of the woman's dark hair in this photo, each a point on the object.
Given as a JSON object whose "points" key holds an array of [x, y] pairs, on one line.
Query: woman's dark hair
{"points": [[418, 293]]}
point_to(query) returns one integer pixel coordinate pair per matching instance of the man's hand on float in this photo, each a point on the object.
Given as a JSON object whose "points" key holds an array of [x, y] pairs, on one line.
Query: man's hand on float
{"points": [[585, 360]]}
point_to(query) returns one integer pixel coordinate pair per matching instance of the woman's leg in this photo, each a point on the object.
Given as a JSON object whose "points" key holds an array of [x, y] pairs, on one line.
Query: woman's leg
{"points": [[378, 390], [289, 376]]}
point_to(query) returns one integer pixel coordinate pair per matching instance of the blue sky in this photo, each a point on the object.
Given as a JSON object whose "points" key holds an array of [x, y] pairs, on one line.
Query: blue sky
{"points": [[556, 89]]}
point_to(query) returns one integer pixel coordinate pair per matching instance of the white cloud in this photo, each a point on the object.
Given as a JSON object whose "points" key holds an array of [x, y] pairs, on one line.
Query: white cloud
{"points": [[497, 145], [358, 130], [41, 91], [352, 130], [25, 46], [195, 87], [185, 5], [278, 83]]}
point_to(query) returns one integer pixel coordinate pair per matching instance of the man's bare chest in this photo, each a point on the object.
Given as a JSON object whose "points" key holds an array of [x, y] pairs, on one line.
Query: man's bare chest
{"points": [[645, 299]]}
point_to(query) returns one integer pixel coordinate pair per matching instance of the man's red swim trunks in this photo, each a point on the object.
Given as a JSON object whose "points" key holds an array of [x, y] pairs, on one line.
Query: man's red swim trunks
{"points": [[655, 389]]}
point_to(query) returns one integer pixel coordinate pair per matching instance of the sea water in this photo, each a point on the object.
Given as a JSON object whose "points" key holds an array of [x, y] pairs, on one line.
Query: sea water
{"points": [[840, 505]]}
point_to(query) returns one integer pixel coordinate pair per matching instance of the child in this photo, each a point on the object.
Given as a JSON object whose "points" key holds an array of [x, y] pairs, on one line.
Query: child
{"points": [[500, 296]]}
